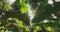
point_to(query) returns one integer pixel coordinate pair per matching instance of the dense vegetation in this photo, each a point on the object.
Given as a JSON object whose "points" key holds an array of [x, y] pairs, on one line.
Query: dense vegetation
{"points": [[14, 17]]}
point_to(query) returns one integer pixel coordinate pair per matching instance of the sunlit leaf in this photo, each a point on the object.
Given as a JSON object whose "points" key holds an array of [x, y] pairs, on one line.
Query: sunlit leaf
{"points": [[0, 22], [19, 22], [10, 31], [7, 7], [27, 28], [24, 7], [49, 29]]}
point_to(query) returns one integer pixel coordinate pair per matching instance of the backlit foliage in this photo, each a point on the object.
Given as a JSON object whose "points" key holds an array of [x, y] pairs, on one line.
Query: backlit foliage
{"points": [[14, 17]]}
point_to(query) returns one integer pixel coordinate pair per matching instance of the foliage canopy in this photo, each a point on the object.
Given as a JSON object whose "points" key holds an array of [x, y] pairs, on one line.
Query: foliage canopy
{"points": [[15, 18]]}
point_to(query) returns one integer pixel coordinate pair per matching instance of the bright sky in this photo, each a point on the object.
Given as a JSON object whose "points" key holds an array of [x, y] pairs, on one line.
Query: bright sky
{"points": [[57, 0], [11, 1], [51, 2]]}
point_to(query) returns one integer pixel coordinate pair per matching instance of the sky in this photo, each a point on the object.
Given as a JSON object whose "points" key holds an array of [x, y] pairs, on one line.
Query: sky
{"points": [[10, 1]]}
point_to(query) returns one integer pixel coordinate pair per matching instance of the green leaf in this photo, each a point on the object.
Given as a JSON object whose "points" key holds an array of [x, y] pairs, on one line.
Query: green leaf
{"points": [[0, 22], [7, 7], [1, 7], [24, 8], [19, 22]]}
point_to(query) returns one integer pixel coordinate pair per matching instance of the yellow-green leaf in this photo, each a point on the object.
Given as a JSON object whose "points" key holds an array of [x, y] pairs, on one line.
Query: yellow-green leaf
{"points": [[24, 8]]}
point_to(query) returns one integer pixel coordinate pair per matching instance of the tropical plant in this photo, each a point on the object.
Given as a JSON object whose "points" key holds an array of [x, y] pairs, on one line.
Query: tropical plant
{"points": [[30, 16]]}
